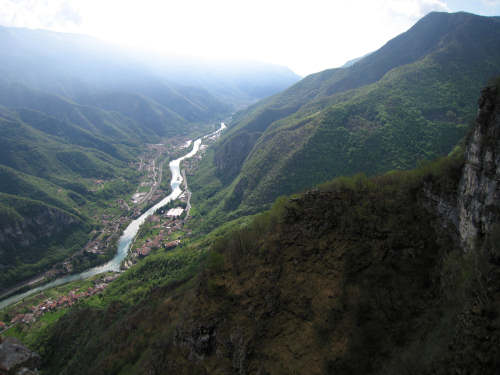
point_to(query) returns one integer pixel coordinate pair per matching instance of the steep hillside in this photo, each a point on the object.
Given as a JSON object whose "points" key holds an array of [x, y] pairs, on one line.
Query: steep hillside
{"points": [[34, 235], [411, 100], [360, 276]]}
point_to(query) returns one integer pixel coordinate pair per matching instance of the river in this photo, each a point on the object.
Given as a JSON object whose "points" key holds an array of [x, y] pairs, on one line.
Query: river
{"points": [[128, 234]]}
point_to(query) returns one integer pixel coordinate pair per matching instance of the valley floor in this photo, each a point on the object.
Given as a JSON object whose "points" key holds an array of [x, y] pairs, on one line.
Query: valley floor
{"points": [[111, 222]]}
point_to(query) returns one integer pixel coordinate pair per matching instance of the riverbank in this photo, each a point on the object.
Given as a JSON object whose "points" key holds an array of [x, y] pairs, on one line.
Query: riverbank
{"points": [[110, 222], [129, 233], [32, 309]]}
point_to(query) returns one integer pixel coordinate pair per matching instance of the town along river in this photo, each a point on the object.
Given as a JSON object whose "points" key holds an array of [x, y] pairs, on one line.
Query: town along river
{"points": [[127, 236]]}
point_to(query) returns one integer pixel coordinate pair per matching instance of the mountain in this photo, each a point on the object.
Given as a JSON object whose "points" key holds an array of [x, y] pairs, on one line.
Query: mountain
{"points": [[67, 76], [354, 61], [237, 82], [73, 65], [75, 110], [47, 169], [411, 100], [394, 274]]}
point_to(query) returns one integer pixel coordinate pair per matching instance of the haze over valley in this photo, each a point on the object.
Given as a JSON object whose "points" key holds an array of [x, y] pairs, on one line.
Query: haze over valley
{"points": [[170, 202]]}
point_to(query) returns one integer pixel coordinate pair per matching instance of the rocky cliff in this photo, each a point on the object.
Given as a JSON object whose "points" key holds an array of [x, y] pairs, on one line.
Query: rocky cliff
{"points": [[44, 223], [479, 191], [32, 235], [16, 359]]}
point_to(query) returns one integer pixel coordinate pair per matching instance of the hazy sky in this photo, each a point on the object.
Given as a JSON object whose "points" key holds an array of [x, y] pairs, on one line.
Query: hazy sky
{"points": [[307, 36]]}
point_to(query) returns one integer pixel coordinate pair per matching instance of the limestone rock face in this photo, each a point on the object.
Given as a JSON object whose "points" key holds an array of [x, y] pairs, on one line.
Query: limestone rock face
{"points": [[479, 189], [44, 223], [16, 359]]}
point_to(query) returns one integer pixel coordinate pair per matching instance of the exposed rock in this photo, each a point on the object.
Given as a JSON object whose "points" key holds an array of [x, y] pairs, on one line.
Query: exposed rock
{"points": [[45, 223], [16, 359], [200, 341], [444, 206], [479, 190]]}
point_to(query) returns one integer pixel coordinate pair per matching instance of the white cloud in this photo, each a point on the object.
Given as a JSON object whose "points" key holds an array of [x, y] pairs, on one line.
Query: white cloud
{"points": [[415, 9], [427, 6], [52, 14], [67, 15], [307, 36], [491, 3]]}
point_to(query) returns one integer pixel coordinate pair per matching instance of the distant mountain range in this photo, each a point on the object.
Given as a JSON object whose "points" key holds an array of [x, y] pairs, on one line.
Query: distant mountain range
{"points": [[73, 109], [410, 100], [74, 65]]}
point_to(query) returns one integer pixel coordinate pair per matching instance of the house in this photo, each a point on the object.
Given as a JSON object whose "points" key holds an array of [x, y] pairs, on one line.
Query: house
{"points": [[28, 318], [144, 251], [17, 318], [155, 244], [172, 244], [175, 212]]}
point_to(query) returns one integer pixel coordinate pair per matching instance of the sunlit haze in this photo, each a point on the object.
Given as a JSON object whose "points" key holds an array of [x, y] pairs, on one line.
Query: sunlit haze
{"points": [[306, 36]]}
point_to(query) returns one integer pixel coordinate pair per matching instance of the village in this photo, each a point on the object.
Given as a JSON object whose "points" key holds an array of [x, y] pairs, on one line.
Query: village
{"points": [[165, 228], [161, 231], [53, 304]]}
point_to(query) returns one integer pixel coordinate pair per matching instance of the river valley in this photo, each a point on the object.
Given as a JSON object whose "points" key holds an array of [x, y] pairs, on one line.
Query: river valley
{"points": [[129, 233]]}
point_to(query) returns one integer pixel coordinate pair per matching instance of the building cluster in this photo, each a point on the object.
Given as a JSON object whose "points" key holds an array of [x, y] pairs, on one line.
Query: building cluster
{"points": [[166, 225], [63, 301], [102, 242]]}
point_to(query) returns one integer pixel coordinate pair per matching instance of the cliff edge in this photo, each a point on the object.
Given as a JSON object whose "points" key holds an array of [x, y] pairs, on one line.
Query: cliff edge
{"points": [[479, 190]]}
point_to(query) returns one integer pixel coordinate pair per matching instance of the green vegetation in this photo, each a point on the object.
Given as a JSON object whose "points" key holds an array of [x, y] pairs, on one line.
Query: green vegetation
{"points": [[35, 236], [411, 100], [72, 127], [71, 158], [364, 274], [389, 284], [31, 334]]}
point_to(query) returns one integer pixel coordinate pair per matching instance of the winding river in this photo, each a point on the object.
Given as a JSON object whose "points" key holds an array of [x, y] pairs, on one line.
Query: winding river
{"points": [[128, 234]]}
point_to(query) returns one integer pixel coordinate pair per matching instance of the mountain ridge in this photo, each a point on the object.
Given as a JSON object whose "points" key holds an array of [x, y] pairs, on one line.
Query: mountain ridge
{"points": [[314, 131]]}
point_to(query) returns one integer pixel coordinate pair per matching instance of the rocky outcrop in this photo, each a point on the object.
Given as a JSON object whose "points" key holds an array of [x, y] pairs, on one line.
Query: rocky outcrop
{"points": [[35, 231], [479, 189], [45, 222], [443, 205], [16, 359], [200, 340]]}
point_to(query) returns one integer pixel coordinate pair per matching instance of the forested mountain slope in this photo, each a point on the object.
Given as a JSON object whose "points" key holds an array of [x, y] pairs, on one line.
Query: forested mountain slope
{"points": [[395, 274], [413, 99]]}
